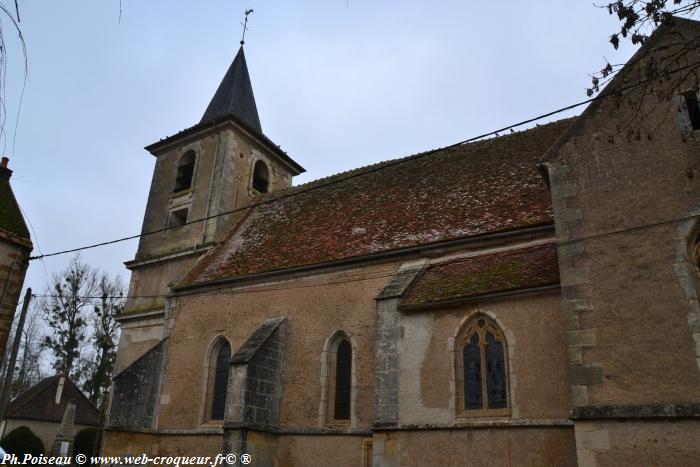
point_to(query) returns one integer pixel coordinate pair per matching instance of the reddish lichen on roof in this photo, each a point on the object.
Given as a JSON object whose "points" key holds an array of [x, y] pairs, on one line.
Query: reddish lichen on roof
{"points": [[463, 191], [505, 271]]}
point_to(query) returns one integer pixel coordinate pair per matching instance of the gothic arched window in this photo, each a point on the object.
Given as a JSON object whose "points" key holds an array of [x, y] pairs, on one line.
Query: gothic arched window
{"points": [[261, 177], [338, 380], [219, 363], [695, 254], [185, 171], [481, 369]]}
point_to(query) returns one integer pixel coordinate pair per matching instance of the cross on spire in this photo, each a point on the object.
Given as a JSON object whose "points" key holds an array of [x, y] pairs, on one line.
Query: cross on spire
{"points": [[244, 23]]}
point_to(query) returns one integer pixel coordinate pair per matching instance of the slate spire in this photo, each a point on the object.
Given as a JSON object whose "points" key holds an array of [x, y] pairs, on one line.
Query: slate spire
{"points": [[235, 96]]}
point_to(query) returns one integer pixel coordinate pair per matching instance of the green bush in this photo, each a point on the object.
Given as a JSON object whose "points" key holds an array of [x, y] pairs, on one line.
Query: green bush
{"points": [[22, 441]]}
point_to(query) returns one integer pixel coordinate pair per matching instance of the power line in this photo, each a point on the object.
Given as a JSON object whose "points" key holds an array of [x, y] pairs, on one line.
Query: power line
{"points": [[393, 271], [380, 166], [255, 289]]}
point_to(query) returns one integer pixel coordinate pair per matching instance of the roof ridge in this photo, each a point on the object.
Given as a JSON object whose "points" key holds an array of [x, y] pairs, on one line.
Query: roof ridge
{"points": [[363, 170], [345, 216]]}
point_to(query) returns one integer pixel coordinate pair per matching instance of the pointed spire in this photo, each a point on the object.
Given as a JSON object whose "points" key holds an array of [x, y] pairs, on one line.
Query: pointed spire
{"points": [[235, 96]]}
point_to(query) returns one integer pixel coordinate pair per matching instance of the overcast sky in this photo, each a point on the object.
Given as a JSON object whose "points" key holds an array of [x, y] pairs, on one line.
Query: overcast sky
{"points": [[338, 83]]}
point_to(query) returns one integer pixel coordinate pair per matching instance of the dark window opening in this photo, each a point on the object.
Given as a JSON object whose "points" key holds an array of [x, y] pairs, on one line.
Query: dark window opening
{"points": [[343, 376], [185, 171], [178, 218], [496, 373], [261, 177], [691, 102], [218, 400]]}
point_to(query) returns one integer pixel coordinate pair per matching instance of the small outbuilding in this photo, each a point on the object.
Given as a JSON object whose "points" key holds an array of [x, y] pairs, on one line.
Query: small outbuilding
{"points": [[56, 411]]}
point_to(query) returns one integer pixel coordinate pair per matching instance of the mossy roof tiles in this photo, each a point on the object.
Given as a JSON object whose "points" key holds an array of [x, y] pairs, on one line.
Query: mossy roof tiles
{"points": [[462, 191], [505, 271], [11, 218]]}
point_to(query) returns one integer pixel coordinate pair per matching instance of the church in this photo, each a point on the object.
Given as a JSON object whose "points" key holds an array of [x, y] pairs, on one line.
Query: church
{"points": [[527, 299]]}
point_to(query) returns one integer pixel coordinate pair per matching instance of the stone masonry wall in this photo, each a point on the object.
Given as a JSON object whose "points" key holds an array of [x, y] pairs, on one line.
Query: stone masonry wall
{"points": [[622, 182], [13, 267], [136, 391]]}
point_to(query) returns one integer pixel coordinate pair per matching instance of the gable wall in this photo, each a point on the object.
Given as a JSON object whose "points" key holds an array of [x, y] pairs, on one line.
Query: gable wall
{"points": [[629, 299], [624, 292]]}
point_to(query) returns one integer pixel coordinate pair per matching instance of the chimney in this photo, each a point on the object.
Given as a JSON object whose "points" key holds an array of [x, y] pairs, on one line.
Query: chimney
{"points": [[5, 173]]}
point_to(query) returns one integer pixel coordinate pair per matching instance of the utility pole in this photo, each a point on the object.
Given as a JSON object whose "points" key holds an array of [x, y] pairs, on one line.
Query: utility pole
{"points": [[13, 357]]}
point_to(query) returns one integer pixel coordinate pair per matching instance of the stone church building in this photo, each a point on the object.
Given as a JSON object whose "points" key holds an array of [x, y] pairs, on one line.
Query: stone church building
{"points": [[529, 299]]}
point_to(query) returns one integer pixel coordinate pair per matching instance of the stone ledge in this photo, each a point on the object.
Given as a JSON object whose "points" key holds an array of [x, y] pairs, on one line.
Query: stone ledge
{"points": [[183, 432], [593, 412], [306, 431], [482, 424], [155, 312]]}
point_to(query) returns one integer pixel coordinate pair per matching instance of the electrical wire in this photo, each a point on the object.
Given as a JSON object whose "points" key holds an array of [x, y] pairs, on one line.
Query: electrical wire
{"points": [[392, 271], [316, 185]]}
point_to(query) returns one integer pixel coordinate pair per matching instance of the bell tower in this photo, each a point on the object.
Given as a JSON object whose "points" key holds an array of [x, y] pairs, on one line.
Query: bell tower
{"points": [[203, 177]]}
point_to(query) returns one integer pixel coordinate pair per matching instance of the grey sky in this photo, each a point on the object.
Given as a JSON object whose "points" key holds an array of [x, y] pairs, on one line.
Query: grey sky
{"points": [[338, 85]]}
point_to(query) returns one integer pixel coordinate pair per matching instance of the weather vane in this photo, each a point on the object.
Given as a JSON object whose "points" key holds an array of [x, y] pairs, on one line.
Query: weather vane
{"points": [[245, 25]]}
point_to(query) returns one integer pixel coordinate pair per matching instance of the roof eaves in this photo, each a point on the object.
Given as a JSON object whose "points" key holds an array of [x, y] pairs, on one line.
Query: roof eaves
{"points": [[158, 145], [475, 298], [29, 395], [186, 288]]}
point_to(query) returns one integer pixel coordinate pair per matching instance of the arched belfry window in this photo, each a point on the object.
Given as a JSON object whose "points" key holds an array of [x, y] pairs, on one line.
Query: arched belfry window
{"points": [[338, 380], [261, 177], [219, 363], [185, 171], [481, 369]]}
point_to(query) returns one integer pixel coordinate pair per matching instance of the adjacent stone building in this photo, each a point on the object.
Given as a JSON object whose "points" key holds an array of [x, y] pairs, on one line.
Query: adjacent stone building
{"points": [[529, 299], [56, 411], [15, 247]]}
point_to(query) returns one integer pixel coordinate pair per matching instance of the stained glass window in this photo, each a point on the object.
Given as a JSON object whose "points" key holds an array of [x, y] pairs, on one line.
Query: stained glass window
{"points": [[473, 393], [483, 367], [496, 377]]}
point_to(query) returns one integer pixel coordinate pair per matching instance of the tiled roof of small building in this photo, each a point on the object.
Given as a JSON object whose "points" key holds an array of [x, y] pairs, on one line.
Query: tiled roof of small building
{"points": [[521, 269], [462, 191], [39, 403]]}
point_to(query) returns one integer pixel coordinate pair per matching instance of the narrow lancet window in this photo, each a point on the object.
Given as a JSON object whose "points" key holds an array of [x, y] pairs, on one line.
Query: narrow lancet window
{"points": [[343, 376], [338, 381], [218, 399], [691, 103], [473, 393]]}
